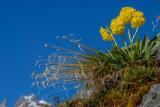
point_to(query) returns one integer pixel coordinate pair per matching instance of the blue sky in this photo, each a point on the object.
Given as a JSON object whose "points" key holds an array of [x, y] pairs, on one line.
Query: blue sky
{"points": [[25, 25]]}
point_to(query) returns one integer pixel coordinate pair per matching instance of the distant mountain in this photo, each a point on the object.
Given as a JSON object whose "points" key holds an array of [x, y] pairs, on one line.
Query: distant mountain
{"points": [[3, 103], [31, 101]]}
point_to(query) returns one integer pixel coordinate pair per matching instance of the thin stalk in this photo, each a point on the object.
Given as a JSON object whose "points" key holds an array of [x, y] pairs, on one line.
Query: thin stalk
{"points": [[126, 46], [67, 50], [112, 36], [115, 41], [135, 33], [129, 35], [131, 42]]}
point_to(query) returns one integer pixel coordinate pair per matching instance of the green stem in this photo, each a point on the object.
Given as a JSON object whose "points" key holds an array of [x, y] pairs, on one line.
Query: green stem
{"points": [[129, 35], [126, 46], [135, 33], [112, 36], [131, 44], [115, 41]]}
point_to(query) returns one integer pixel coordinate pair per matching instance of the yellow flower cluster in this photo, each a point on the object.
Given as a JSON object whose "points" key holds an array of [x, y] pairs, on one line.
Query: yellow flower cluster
{"points": [[138, 19], [105, 34], [128, 15], [117, 26]]}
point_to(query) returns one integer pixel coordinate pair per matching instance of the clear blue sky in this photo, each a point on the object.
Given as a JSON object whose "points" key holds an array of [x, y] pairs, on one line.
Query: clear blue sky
{"points": [[25, 25]]}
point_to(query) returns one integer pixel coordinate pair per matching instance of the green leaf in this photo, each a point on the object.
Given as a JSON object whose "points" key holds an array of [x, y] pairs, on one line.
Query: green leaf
{"points": [[138, 44], [145, 44]]}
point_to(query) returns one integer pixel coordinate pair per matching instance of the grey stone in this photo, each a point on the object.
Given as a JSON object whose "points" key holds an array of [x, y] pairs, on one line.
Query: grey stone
{"points": [[31, 101], [152, 98]]}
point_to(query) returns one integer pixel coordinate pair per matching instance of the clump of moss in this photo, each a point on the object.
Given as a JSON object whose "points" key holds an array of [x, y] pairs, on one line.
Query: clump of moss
{"points": [[135, 97]]}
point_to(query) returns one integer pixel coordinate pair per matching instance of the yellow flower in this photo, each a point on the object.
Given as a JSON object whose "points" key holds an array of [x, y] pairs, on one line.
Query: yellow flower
{"points": [[105, 34], [126, 14], [138, 14], [138, 19], [124, 9], [117, 26]]}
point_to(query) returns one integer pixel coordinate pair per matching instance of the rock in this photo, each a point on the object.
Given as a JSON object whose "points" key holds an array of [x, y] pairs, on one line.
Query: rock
{"points": [[31, 101], [152, 98]]}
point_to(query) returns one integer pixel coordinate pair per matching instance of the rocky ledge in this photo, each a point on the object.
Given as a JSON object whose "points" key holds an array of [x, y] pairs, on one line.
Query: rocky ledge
{"points": [[152, 98]]}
